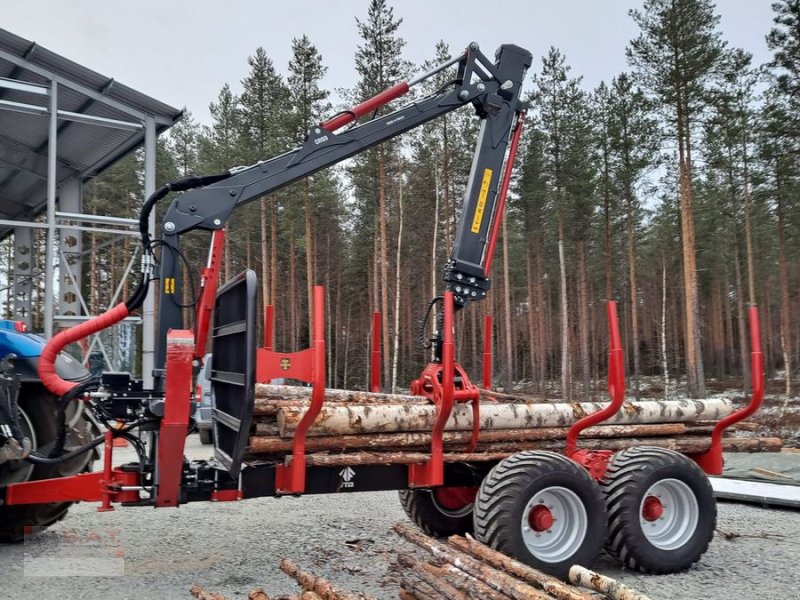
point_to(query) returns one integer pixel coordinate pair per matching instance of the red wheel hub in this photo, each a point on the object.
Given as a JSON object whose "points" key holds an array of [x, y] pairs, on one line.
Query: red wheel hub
{"points": [[652, 509], [540, 518], [455, 498]]}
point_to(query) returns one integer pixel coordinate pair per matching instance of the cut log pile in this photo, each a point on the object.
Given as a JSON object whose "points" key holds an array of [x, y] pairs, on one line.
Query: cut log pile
{"points": [[356, 427], [314, 588], [465, 569]]}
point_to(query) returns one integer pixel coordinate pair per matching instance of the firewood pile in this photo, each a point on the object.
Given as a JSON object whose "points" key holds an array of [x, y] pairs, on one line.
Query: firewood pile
{"points": [[314, 588], [465, 569], [370, 428]]}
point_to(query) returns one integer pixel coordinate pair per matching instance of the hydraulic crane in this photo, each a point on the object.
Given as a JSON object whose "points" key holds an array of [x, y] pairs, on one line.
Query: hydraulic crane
{"points": [[559, 518]]}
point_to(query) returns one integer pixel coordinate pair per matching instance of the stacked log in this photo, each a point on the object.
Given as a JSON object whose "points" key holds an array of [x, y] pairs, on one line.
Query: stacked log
{"points": [[465, 569], [357, 427]]}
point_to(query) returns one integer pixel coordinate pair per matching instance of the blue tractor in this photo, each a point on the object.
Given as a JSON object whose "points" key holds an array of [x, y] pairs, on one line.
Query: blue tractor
{"points": [[29, 418]]}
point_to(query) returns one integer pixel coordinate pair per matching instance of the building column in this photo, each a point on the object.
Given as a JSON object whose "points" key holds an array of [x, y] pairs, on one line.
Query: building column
{"points": [[49, 265], [70, 246], [23, 274], [149, 308]]}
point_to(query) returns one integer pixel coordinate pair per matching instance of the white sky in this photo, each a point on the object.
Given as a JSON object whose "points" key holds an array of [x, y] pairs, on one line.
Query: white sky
{"points": [[183, 51]]}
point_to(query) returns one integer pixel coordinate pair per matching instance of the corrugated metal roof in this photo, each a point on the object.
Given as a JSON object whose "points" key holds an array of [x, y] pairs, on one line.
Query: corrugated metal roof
{"points": [[82, 149]]}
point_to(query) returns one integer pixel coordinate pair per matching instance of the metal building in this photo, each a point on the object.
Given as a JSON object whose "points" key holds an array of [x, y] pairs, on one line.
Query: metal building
{"points": [[60, 125]]}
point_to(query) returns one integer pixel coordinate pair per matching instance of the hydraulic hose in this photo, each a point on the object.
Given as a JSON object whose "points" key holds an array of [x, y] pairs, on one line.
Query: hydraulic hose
{"points": [[47, 361]]}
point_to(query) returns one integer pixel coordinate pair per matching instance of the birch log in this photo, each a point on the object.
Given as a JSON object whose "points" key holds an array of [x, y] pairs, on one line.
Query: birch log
{"points": [[605, 585], [357, 419]]}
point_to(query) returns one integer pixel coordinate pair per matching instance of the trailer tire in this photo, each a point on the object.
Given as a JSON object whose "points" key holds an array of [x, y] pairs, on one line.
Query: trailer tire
{"points": [[39, 408], [661, 509], [439, 515], [542, 509]]}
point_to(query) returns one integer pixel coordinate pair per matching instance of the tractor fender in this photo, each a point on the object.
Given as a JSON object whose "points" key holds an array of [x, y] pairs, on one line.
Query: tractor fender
{"points": [[28, 347]]}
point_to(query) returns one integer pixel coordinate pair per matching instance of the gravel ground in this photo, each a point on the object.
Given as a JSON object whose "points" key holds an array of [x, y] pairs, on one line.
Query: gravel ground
{"points": [[231, 548]]}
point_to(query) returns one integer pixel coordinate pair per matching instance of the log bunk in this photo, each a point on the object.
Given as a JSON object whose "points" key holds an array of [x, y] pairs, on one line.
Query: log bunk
{"points": [[360, 428]]}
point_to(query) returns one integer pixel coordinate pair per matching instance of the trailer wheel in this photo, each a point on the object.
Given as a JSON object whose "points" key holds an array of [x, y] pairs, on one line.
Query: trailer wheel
{"points": [[38, 411], [661, 509], [544, 510], [440, 512]]}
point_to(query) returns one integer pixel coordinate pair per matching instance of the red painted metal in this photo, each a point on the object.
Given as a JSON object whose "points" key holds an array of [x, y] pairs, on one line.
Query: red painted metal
{"points": [[175, 423], [594, 461], [437, 383], [226, 495], [209, 280], [86, 487], [499, 210], [269, 327], [616, 384], [291, 478], [366, 107], [540, 518], [108, 458], [652, 509], [288, 365], [711, 461], [375, 366], [487, 353], [455, 498], [47, 360]]}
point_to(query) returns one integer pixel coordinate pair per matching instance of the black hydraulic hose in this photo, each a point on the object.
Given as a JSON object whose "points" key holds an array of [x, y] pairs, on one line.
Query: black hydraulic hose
{"points": [[61, 415], [38, 459]]}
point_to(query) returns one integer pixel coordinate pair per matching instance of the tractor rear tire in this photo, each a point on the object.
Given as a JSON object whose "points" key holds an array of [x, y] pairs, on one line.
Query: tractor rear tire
{"points": [[661, 509], [437, 514], [39, 407], [542, 509]]}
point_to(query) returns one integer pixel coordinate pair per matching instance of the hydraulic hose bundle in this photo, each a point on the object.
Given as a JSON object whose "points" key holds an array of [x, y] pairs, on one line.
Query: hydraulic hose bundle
{"points": [[71, 390]]}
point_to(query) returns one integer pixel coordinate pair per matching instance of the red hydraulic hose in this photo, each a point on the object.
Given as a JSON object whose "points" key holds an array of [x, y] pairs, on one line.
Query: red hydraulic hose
{"points": [[47, 361]]}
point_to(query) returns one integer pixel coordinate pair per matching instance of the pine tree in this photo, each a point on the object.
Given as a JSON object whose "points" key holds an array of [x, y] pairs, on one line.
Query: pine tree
{"points": [[380, 65], [633, 145], [677, 52], [308, 104]]}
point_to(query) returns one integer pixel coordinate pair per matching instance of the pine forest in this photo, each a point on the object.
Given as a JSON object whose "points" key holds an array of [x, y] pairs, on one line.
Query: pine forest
{"points": [[673, 189]]}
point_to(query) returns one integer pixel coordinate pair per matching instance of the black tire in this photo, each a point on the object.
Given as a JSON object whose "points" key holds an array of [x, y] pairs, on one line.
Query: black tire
{"points": [[682, 528], [206, 436], [17, 521], [432, 517], [507, 503]]}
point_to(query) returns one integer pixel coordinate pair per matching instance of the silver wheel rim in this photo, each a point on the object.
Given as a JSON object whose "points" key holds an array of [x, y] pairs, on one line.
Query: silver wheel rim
{"points": [[678, 521], [18, 475], [568, 530]]}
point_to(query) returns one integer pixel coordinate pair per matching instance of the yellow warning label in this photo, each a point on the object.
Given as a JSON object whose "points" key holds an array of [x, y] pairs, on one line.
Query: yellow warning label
{"points": [[169, 285], [478, 218]]}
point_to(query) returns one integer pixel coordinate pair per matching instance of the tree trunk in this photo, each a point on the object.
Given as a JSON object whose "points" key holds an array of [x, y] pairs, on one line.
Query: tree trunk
{"points": [[396, 342], [309, 254], [634, 291], [384, 267], [785, 327], [566, 379], [583, 320], [744, 353], [509, 341]]}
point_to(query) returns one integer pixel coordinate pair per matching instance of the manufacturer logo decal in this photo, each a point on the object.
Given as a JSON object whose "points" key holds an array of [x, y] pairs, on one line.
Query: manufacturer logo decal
{"points": [[347, 474], [285, 364], [478, 219]]}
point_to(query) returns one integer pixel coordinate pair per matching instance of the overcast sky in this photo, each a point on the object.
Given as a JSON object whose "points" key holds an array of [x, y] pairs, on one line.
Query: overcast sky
{"points": [[183, 51]]}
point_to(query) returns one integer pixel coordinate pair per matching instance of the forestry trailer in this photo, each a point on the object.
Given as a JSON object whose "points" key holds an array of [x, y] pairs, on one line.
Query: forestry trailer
{"points": [[464, 459]]}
